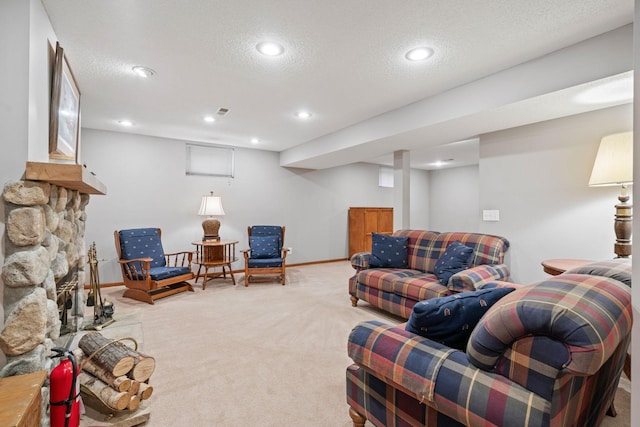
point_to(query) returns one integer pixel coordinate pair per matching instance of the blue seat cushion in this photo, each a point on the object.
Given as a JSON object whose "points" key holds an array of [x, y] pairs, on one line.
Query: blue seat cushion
{"points": [[449, 320], [161, 273], [388, 251], [455, 258], [142, 243], [265, 262], [264, 247]]}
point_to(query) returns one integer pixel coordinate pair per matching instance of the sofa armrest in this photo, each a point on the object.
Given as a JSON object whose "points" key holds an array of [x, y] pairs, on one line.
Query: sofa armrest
{"points": [[382, 349], [360, 260], [471, 278], [589, 315], [442, 377]]}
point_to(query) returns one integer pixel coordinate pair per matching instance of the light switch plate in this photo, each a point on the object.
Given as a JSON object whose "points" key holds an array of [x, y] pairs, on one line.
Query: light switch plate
{"points": [[491, 215]]}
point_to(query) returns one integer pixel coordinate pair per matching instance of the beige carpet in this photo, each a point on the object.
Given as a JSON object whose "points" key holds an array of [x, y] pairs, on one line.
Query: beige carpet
{"points": [[263, 355]]}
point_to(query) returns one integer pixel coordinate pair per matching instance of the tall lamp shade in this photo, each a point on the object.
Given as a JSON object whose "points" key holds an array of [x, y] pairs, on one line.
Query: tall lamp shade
{"points": [[614, 166], [211, 206]]}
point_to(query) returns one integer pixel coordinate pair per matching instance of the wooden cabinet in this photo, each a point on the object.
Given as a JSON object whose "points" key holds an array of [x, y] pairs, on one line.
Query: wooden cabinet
{"points": [[363, 222], [20, 399]]}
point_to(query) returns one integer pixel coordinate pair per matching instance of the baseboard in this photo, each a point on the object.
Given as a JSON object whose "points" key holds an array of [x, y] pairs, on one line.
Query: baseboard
{"points": [[326, 261]]}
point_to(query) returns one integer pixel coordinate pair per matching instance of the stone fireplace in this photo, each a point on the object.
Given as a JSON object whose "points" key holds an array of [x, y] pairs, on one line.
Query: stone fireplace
{"points": [[44, 271], [44, 264]]}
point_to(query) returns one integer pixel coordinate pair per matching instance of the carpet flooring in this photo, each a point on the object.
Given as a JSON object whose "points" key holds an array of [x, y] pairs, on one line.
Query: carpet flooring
{"points": [[263, 355]]}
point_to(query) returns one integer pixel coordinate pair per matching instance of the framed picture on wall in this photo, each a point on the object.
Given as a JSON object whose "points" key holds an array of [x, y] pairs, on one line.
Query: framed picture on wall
{"points": [[64, 120]]}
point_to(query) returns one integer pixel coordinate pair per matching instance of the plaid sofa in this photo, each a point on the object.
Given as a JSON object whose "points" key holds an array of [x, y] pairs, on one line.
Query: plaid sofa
{"points": [[397, 290], [547, 354]]}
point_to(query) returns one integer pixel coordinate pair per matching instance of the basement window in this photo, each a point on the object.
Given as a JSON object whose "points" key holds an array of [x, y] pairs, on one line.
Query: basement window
{"points": [[210, 160], [385, 177]]}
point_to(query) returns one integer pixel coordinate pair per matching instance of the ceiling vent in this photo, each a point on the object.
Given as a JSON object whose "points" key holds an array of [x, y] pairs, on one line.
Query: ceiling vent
{"points": [[222, 111]]}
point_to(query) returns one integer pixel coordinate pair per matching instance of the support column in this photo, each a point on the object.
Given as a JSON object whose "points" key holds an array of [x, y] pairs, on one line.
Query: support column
{"points": [[401, 187]]}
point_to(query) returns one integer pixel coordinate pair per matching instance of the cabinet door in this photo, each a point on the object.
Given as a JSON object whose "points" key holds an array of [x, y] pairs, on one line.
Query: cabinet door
{"points": [[385, 220], [370, 226], [356, 230], [363, 222]]}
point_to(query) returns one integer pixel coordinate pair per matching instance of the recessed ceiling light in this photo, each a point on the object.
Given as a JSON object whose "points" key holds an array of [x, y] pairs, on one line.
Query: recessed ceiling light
{"points": [[419, 54], [254, 140], [143, 71], [303, 114], [270, 48], [440, 163], [209, 119], [125, 123]]}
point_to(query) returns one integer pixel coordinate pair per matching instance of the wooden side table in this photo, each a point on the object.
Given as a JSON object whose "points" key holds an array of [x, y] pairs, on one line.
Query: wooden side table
{"points": [[560, 265], [215, 253], [20, 399]]}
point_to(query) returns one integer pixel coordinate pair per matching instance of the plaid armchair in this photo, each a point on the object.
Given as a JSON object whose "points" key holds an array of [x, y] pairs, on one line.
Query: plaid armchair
{"points": [[547, 354]]}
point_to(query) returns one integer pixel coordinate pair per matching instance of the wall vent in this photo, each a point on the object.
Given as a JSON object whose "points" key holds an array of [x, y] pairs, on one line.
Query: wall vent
{"points": [[222, 111]]}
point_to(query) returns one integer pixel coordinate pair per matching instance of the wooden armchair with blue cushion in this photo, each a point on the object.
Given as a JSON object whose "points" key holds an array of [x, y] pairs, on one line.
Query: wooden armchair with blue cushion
{"points": [[148, 272], [547, 354], [265, 255]]}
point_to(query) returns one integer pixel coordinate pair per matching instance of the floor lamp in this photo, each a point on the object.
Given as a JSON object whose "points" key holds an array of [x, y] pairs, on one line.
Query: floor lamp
{"points": [[211, 205], [614, 166]]}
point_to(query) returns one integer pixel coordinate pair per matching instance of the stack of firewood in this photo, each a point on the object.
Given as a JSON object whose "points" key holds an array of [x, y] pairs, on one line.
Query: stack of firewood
{"points": [[113, 372]]}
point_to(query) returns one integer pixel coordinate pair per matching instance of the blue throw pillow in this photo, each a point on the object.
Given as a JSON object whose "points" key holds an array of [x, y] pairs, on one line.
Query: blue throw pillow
{"points": [[450, 320], [388, 251], [456, 257], [264, 246]]}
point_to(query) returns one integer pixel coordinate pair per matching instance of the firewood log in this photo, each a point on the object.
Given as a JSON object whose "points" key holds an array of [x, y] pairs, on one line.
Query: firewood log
{"points": [[135, 386], [143, 366], [121, 383], [111, 356], [145, 391], [134, 402], [118, 400]]}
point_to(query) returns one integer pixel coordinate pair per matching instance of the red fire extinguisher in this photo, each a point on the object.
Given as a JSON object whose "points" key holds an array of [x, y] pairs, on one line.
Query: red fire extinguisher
{"points": [[64, 395]]}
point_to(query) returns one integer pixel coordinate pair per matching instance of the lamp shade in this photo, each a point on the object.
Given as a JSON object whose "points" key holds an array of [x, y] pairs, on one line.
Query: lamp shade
{"points": [[211, 205], [614, 161]]}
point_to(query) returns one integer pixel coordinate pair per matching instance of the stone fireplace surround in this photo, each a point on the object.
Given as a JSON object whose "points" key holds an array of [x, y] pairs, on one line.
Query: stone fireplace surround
{"points": [[43, 241]]}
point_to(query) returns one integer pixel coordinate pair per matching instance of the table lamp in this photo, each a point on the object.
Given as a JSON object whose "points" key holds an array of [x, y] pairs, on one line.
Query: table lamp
{"points": [[211, 205], [614, 166]]}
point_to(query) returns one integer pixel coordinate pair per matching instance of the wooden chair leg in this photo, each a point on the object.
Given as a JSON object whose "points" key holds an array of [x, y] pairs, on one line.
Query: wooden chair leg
{"points": [[358, 420], [354, 301]]}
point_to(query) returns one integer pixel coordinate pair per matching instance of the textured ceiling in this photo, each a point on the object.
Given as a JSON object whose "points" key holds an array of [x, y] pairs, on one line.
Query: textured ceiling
{"points": [[343, 61]]}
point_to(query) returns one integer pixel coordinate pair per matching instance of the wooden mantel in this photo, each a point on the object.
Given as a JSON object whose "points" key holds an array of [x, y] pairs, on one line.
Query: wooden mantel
{"points": [[75, 177]]}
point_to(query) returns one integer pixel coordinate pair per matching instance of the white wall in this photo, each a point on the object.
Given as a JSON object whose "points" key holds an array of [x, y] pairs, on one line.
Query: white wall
{"points": [[25, 77], [454, 199], [147, 186], [537, 177]]}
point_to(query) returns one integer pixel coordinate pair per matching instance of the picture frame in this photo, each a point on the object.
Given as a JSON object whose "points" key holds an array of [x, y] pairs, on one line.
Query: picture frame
{"points": [[64, 117]]}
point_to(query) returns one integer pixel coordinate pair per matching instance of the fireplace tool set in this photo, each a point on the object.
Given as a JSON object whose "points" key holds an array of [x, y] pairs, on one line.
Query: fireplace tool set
{"points": [[102, 310]]}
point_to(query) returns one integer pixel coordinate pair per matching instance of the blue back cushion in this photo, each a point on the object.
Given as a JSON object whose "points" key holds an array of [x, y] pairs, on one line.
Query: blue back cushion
{"points": [[455, 258], [388, 251], [450, 320], [142, 243], [266, 230], [264, 246]]}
